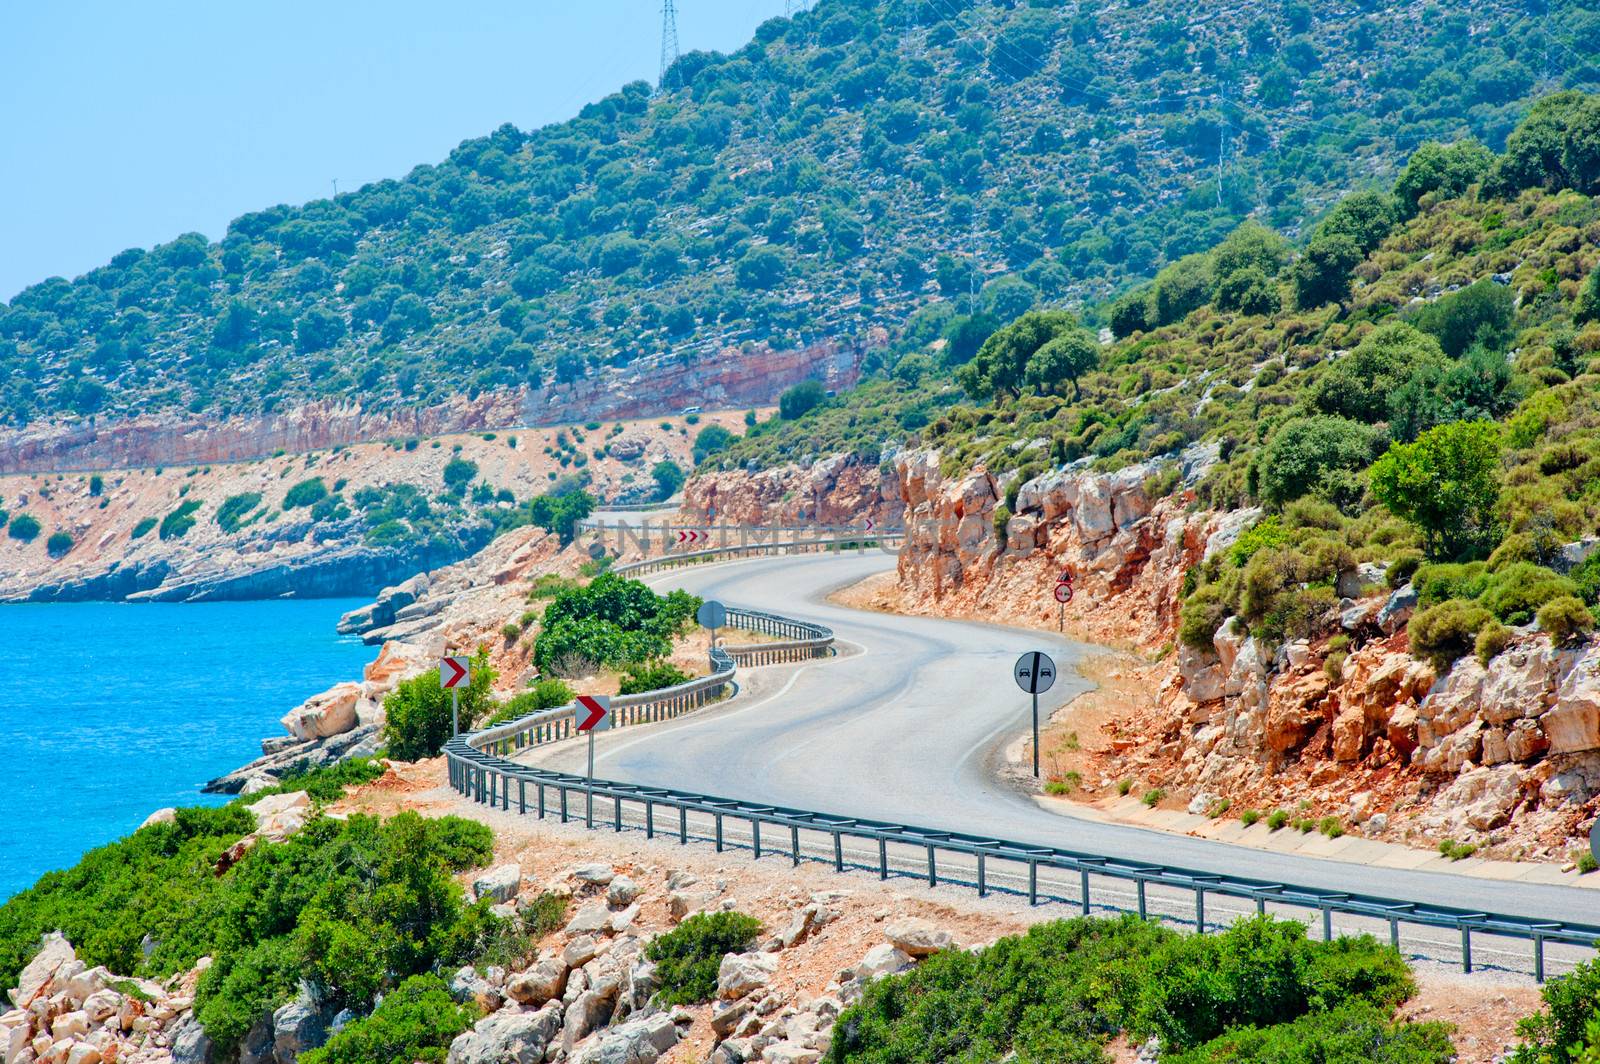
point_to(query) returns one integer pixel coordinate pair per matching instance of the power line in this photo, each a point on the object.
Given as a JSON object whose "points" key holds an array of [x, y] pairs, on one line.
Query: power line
{"points": [[669, 40]]}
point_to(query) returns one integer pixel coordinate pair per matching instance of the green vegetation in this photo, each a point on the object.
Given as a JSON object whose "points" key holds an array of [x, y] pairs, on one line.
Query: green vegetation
{"points": [[415, 1022], [177, 523], [143, 528], [458, 473], [308, 492], [1564, 1031], [545, 914], [1061, 990], [353, 907], [60, 543], [231, 514], [547, 693], [418, 710], [847, 166], [325, 783], [24, 528], [611, 622], [687, 957], [651, 676]]}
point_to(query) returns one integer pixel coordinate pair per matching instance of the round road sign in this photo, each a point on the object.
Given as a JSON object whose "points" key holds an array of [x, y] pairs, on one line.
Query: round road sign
{"points": [[1035, 672], [1063, 593], [712, 614]]}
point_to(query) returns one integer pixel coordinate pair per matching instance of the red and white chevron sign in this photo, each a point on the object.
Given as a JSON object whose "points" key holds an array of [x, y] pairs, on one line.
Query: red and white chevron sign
{"points": [[455, 672], [690, 536], [871, 524], [594, 712]]}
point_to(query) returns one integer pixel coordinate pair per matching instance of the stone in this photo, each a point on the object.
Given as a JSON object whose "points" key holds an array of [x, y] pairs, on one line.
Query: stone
{"points": [[727, 1016], [80, 1053], [579, 951], [190, 1044], [468, 986], [741, 973], [623, 918], [55, 956], [589, 918], [86, 982], [544, 981], [790, 1053], [640, 1041], [595, 874], [510, 1036], [499, 883], [807, 922], [299, 1026], [101, 1005], [1573, 724], [621, 892], [882, 959], [331, 713], [681, 903], [1397, 609], [588, 1013], [69, 1025], [165, 815], [1229, 527]]}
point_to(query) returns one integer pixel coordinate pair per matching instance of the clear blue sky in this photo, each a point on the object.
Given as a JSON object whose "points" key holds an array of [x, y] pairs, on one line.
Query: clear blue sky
{"points": [[124, 124]]}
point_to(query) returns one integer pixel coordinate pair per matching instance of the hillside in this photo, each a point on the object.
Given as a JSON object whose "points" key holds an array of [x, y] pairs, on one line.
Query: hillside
{"points": [[844, 168]]}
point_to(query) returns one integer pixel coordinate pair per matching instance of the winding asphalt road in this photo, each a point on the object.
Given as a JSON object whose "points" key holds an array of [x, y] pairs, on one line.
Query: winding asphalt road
{"points": [[910, 723]]}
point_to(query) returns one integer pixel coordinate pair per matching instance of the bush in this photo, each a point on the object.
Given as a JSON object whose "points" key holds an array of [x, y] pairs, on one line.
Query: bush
{"points": [[24, 527], [1153, 797], [143, 528], [1354, 1034], [1570, 1003], [1446, 484], [1249, 817], [58, 544], [1516, 593], [1402, 568], [418, 711], [1277, 819], [800, 400], [458, 473], [176, 524], [1306, 455], [324, 783], [687, 957], [414, 1023], [1492, 639], [652, 676], [547, 693], [613, 621], [230, 515], [1564, 618], [306, 493], [668, 476], [1441, 634], [545, 914]]}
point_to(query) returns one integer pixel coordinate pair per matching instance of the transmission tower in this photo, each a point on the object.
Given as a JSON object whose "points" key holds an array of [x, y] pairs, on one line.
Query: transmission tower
{"points": [[669, 40]]}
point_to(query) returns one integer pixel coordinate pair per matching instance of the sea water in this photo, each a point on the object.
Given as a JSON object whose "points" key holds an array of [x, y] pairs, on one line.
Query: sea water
{"points": [[109, 711]]}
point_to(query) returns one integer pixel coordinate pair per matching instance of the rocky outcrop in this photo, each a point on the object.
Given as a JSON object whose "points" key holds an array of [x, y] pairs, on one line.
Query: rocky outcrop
{"points": [[839, 490]]}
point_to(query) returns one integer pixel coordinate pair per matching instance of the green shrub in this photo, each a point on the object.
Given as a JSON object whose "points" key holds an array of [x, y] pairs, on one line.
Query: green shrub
{"points": [[1492, 639], [97, 485], [1564, 618], [1441, 634], [1516, 593], [1402, 568], [1447, 580], [24, 527], [1571, 1002], [58, 544], [418, 712], [1331, 826], [458, 473], [1124, 786], [1153, 796], [545, 914], [306, 493], [687, 957], [1586, 863], [1352, 1034], [416, 1022], [613, 621], [143, 528], [1457, 851], [1277, 819], [545, 694], [651, 676], [1249, 817], [324, 783], [176, 524], [231, 514], [1202, 614]]}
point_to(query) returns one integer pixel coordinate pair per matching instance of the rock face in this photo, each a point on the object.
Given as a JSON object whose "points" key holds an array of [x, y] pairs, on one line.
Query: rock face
{"points": [[835, 491], [331, 713]]}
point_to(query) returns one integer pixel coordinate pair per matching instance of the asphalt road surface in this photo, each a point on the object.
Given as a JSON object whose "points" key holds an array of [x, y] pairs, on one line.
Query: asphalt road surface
{"points": [[910, 723]]}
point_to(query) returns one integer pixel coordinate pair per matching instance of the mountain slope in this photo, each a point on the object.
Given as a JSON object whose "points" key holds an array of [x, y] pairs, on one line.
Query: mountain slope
{"points": [[846, 166]]}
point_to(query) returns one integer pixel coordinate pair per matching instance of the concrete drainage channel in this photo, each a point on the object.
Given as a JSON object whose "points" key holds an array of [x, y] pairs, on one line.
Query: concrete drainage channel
{"points": [[480, 768]]}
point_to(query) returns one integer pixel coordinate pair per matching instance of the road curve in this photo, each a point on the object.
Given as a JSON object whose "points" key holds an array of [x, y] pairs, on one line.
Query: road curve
{"points": [[909, 725]]}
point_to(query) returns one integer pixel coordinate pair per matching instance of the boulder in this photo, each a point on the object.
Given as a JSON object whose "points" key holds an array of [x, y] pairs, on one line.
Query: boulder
{"points": [[741, 973], [589, 918], [544, 981], [165, 815], [299, 1026], [55, 957], [918, 938], [580, 951], [190, 1044], [596, 875], [510, 1036], [1397, 609], [790, 1053], [468, 986], [882, 959], [1573, 724], [639, 1041], [806, 922], [726, 1016], [587, 1014], [622, 892], [499, 883], [331, 713]]}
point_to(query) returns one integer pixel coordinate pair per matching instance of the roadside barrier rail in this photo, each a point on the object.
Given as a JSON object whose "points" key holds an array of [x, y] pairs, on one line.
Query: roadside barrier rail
{"points": [[859, 543], [480, 768]]}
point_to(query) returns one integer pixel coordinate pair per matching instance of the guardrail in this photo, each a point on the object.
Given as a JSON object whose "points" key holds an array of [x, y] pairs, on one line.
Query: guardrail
{"points": [[858, 542]]}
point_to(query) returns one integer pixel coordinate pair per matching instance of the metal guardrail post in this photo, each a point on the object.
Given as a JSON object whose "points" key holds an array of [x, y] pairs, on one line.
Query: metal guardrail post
{"points": [[1033, 882], [838, 851], [1083, 885], [933, 874], [983, 887]]}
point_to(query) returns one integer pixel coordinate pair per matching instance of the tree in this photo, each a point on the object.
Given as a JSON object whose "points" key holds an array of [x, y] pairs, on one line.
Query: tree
{"points": [[1322, 274], [964, 335], [761, 268], [1446, 169], [668, 476], [1066, 357], [1007, 298], [1480, 313], [417, 712], [1313, 455], [24, 527], [458, 473], [800, 400], [1000, 367], [1250, 245], [1248, 291], [1446, 484], [710, 440], [58, 544], [1181, 288], [1360, 385], [318, 329]]}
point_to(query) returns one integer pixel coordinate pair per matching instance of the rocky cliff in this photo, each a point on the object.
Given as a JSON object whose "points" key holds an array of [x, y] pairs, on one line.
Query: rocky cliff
{"points": [[735, 378], [835, 491]]}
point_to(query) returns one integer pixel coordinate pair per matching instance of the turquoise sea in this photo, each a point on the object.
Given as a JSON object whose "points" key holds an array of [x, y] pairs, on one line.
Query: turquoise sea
{"points": [[109, 710]]}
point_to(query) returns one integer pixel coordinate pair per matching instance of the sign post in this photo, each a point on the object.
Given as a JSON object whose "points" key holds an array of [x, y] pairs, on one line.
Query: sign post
{"points": [[454, 674], [1035, 672], [593, 713], [713, 615], [1063, 596]]}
